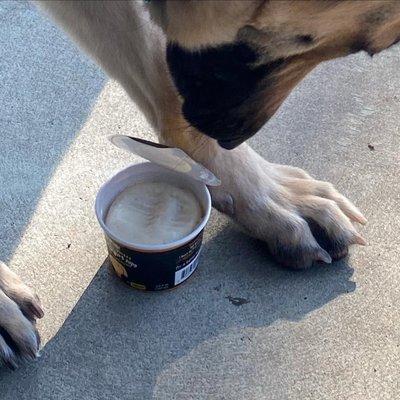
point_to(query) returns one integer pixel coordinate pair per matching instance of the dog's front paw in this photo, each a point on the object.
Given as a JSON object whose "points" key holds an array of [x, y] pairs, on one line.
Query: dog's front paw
{"points": [[317, 220], [19, 308], [301, 219]]}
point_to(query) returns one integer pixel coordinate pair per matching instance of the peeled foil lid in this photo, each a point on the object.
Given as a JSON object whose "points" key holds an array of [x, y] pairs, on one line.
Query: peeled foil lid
{"points": [[168, 157]]}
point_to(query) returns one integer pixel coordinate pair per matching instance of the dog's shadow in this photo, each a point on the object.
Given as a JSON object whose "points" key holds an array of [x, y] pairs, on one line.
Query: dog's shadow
{"points": [[119, 343]]}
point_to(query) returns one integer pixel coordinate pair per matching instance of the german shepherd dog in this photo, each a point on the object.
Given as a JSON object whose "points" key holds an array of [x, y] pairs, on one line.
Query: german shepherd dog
{"points": [[208, 75]]}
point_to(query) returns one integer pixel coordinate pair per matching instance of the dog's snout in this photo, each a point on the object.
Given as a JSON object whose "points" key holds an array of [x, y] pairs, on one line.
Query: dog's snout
{"points": [[219, 86]]}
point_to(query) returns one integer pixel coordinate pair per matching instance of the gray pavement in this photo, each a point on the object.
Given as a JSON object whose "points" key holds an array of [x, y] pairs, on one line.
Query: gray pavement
{"points": [[326, 333]]}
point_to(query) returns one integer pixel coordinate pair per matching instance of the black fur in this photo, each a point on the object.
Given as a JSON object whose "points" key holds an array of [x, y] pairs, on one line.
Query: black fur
{"points": [[337, 247], [361, 44], [304, 39], [219, 86], [378, 17]]}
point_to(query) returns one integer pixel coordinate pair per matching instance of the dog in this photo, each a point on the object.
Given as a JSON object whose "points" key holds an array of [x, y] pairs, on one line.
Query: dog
{"points": [[208, 75]]}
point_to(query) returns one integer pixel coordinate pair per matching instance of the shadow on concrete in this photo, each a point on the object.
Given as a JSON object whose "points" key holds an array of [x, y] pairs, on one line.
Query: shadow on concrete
{"points": [[47, 91], [96, 352]]}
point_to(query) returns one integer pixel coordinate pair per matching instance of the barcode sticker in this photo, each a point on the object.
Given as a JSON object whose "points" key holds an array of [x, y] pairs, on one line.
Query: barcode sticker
{"points": [[184, 273]]}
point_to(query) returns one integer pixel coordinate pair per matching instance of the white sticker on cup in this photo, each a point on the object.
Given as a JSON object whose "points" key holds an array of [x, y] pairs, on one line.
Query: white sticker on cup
{"points": [[184, 273]]}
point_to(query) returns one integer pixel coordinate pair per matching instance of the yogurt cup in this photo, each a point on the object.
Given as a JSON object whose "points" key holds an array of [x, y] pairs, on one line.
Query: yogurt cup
{"points": [[153, 267]]}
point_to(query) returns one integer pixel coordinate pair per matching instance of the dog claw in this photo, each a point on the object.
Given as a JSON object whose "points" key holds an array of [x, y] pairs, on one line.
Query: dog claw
{"points": [[324, 257], [358, 239], [361, 219], [31, 354], [35, 307], [11, 364], [356, 215]]}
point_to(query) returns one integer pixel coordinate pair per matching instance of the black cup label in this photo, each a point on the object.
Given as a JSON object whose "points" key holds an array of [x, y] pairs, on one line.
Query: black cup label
{"points": [[155, 270]]}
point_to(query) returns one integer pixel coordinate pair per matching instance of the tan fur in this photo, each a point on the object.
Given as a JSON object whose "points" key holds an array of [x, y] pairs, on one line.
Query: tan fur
{"points": [[272, 26], [178, 18], [335, 24]]}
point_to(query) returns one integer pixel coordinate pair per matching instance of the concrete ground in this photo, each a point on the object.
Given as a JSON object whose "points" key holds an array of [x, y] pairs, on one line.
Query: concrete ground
{"points": [[328, 333]]}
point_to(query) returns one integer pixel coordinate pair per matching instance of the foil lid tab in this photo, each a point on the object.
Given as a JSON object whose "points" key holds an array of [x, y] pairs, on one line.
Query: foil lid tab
{"points": [[168, 157]]}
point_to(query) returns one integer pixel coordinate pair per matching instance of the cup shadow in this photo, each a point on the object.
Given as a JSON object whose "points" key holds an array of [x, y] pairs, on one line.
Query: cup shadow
{"points": [[117, 341]]}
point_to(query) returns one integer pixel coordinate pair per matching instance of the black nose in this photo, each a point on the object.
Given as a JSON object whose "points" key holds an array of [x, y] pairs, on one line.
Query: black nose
{"points": [[231, 144]]}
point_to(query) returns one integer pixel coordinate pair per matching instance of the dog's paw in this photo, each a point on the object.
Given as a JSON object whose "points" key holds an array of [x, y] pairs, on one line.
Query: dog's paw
{"points": [[301, 219], [318, 219], [19, 308]]}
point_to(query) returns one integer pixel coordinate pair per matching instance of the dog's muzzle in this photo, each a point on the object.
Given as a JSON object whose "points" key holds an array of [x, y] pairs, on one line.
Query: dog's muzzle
{"points": [[219, 87]]}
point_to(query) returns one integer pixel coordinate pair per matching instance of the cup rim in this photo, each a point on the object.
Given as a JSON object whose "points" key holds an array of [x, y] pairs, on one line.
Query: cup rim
{"points": [[152, 247]]}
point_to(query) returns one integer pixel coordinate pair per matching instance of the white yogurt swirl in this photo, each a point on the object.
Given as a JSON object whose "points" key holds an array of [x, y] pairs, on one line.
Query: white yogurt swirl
{"points": [[153, 213]]}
